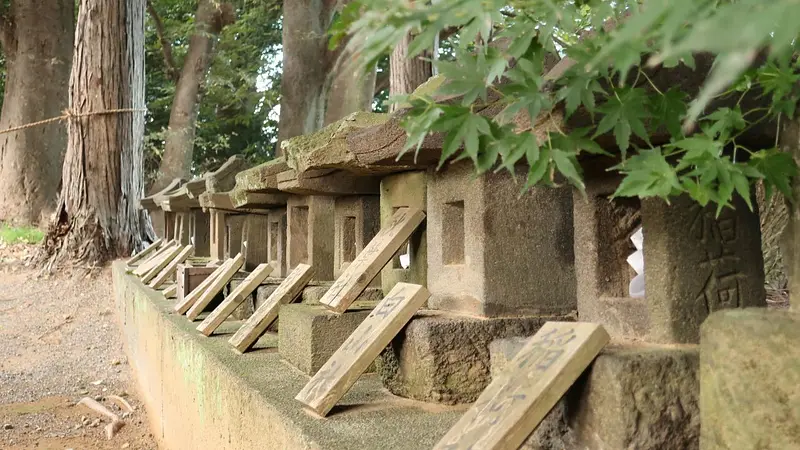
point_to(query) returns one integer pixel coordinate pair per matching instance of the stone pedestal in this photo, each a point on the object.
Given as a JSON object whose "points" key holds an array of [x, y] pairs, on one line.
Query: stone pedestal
{"points": [[357, 221], [200, 231], [311, 234], [182, 227], [492, 252], [443, 357], [276, 241], [169, 225], [750, 380], [405, 190], [308, 335], [217, 233], [255, 243], [188, 278], [631, 397], [313, 294], [694, 263], [233, 234]]}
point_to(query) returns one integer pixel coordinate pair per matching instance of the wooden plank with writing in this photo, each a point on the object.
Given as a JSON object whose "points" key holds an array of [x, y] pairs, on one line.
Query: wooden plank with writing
{"points": [[215, 287], [148, 264], [163, 262], [372, 259], [341, 371], [234, 299], [261, 319], [170, 268], [188, 301], [515, 402], [135, 259]]}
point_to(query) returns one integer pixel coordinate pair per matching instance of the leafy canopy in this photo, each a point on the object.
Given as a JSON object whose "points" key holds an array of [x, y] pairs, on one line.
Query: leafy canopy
{"points": [[503, 51]]}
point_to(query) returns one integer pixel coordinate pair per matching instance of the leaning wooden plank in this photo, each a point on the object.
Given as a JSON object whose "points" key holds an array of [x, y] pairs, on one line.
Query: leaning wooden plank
{"points": [[341, 371], [165, 260], [234, 299], [169, 270], [368, 264], [258, 323], [515, 402], [171, 291], [188, 301], [148, 264], [215, 287], [147, 250]]}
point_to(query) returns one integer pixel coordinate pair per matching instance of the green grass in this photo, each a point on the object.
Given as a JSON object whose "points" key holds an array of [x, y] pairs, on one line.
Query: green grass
{"points": [[25, 235]]}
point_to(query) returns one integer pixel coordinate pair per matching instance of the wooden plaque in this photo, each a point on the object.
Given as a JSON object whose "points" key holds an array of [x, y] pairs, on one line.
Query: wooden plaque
{"points": [[147, 250], [170, 269], [232, 301], [215, 287], [371, 260], [511, 407], [165, 259], [341, 371], [188, 301], [148, 264], [258, 323]]}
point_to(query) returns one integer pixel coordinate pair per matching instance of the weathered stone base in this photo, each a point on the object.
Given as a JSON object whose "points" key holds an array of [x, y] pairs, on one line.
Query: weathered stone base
{"points": [[313, 294], [750, 380], [200, 394], [309, 335], [443, 357], [631, 397]]}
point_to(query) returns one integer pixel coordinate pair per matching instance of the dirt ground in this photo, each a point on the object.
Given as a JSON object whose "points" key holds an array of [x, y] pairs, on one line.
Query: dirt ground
{"points": [[59, 343]]}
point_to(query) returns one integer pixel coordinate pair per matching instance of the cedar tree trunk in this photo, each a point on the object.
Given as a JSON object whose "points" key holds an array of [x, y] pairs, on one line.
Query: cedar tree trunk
{"points": [[405, 75], [37, 44], [210, 19], [97, 219]]}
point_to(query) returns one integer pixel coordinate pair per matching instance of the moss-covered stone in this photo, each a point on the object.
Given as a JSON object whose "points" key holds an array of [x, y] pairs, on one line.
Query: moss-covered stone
{"points": [[327, 148], [750, 380], [261, 178]]}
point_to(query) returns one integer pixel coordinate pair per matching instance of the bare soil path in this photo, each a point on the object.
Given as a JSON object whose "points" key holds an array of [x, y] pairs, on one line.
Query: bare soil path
{"points": [[60, 342]]}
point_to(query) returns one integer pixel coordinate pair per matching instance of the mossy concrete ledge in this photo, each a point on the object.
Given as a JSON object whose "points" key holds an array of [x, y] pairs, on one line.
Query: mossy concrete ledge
{"points": [[200, 394]]}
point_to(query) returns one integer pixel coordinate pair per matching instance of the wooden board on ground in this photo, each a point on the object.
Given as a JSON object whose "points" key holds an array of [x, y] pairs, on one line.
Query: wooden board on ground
{"points": [[188, 301], [232, 301], [171, 291], [215, 287], [515, 402], [368, 264], [341, 371], [148, 264], [163, 262], [171, 267], [261, 319], [135, 259]]}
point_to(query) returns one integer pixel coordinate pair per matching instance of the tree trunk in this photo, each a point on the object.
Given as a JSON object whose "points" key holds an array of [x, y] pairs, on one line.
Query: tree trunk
{"points": [[178, 150], [405, 74], [790, 143], [305, 66], [37, 43], [346, 90], [96, 218]]}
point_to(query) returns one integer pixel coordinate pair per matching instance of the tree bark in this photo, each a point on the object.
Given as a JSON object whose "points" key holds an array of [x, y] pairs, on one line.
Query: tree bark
{"points": [[790, 143], [305, 66], [405, 74], [37, 43], [210, 19], [346, 90], [97, 218]]}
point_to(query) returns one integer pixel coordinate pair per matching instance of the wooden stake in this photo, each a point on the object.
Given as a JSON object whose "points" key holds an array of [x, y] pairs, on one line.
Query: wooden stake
{"points": [[169, 270], [188, 301], [148, 264], [163, 262], [372, 259], [341, 371], [514, 404], [258, 323], [171, 291], [232, 301], [147, 250], [215, 287]]}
